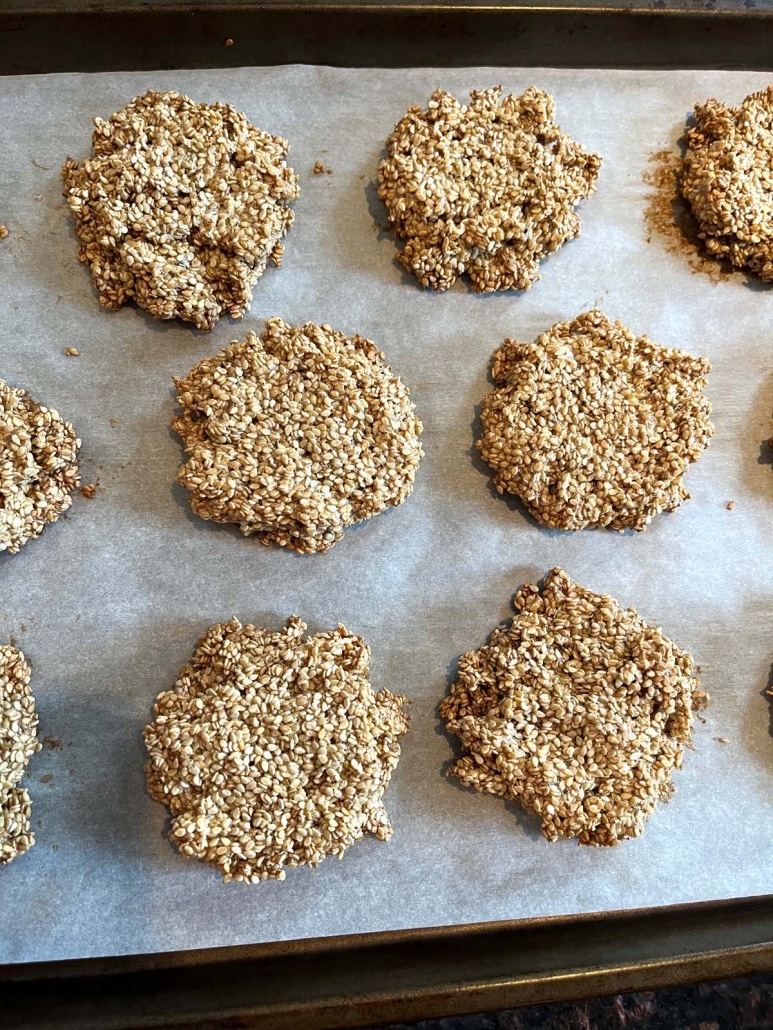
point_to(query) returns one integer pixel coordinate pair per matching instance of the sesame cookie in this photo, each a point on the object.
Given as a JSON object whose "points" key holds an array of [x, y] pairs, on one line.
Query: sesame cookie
{"points": [[728, 180], [593, 426], [578, 709], [296, 434], [38, 467], [488, 189], [18, 742], [181, 207], [272, 750]]}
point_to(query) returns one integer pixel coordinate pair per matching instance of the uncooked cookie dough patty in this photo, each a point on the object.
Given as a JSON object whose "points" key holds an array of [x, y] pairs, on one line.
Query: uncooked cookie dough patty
{"points": [[578, 710], [728, 180], [488, 189], [18, 742], [296, 434], [38, 467], [272, 750], [181, 207], [593, 426]]}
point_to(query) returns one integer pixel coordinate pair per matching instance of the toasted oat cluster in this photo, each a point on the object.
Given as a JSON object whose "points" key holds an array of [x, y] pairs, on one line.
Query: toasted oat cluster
{"points": [[578, 710], [593, 426], [38, 467], [728, 180], [272, 750], [18, 742], [488, 189], [181, 207], [296, 434]]}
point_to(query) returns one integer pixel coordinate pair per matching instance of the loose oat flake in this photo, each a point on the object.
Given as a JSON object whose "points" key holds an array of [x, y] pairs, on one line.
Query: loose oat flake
{"points": [[272, 750], [296, 434], [591, 425], [578, 709], [488, 189], [38, 467], [728, 180], [181, 207], [18, 742]]}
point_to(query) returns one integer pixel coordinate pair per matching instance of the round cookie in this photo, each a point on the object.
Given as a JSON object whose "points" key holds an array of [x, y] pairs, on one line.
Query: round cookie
{"points": [[272, 750], [18, 742], [296, 434], [727, 180], [181, 207], [38, 467], [578, 710], [593, 426], [488, 189]]}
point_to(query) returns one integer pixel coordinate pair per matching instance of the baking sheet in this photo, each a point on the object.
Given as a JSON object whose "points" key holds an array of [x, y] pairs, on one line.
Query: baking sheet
{"points": [[109, 603]]}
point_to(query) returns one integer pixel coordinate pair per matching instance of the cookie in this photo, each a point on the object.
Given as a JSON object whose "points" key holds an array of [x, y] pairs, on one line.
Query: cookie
{"points": [[181, 207], [487, 189], [38, 467], [296, 434], [592, 426], [579, 710], [728, 183], [18, 742], [272, 750]]}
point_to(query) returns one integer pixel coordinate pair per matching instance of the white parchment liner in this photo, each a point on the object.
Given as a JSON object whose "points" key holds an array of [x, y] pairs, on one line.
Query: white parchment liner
{"points": [[108, 605]]}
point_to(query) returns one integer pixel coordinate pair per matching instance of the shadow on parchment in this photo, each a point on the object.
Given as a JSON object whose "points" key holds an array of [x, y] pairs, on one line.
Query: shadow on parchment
{"points": [[754, 441]]}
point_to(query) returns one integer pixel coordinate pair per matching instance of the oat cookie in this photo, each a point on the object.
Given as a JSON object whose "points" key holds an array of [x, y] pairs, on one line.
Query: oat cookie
{"points": [[296, 434], [38, 467], [578, 710], [18, 742], [181, 207], [728, 180], [488, 189], [593, 426], [272, 750]]}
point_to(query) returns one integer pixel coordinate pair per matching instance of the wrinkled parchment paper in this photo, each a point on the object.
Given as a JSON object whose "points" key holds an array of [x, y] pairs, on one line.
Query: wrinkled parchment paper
{"points": [[109, 604]]}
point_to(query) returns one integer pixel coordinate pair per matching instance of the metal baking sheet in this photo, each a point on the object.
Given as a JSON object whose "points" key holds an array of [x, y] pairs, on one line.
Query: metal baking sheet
{"points": [[109, 603]]}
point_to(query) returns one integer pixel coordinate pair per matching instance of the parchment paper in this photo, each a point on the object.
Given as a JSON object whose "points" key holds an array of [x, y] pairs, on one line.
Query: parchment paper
{"points": [[109, 604]]}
